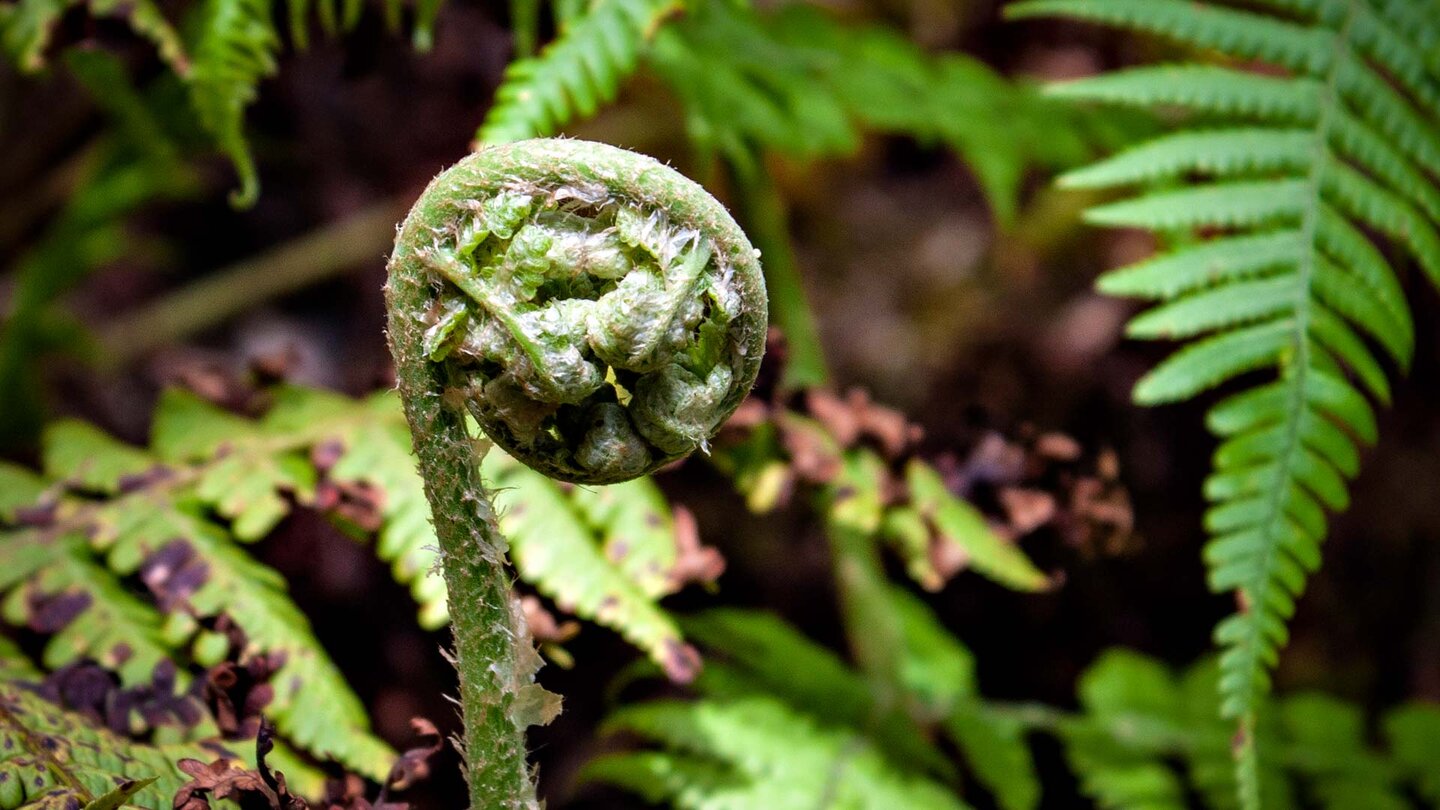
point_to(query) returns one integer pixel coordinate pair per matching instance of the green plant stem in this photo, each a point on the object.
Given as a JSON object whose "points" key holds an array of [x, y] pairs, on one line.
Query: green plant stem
{"points": [[762, 212], [871, 625], [488, 637], [318, 255]]}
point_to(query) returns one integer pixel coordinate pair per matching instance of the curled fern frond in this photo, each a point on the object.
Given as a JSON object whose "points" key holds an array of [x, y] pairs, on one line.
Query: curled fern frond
{"points": [[1305, 184], [598, 314]]}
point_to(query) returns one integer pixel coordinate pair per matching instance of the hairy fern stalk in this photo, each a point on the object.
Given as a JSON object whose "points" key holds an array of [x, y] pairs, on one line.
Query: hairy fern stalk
{"points": [[1287, 201], [599, 316]]}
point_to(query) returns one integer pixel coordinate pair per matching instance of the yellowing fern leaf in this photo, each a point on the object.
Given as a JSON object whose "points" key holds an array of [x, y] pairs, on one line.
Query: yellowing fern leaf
{"points": [[55, 759]]}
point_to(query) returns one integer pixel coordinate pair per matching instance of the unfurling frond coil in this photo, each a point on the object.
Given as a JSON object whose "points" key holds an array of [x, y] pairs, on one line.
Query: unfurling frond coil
{"points": [[600, 314]]}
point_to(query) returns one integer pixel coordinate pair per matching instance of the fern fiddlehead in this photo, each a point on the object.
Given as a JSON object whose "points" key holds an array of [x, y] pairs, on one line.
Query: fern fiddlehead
{"points": [[599, 316]]}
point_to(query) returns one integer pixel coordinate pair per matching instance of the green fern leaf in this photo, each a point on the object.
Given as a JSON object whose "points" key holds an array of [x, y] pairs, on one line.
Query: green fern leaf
{"points": [[638, 530], [55, 759], [553, 549], [244, 478], [87, 458], [1197, 88], [1414, 734], [957, 522], [757, 752], [1219, 153], [754, 654], [19, 488], [234, 50], [1347, 144], [54, 586], [314, 707], [26, 28], [572, 76]]}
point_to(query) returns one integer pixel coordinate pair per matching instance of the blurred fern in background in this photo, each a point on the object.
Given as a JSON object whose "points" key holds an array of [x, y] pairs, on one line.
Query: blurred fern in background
{"points": [[1294, 187]]}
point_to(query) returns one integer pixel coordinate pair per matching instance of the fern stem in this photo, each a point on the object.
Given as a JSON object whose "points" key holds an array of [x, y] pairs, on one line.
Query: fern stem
{"points": [[763, 212], [323, 253], [1256, 597], [599, 316], [487, 633]]}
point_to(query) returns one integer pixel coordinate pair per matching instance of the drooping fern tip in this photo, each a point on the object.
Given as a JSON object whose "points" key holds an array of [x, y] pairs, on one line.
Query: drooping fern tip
{"points": [[599, 314]]}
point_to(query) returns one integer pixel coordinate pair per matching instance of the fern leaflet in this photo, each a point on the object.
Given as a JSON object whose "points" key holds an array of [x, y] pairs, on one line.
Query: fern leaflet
{"points": [[234, 50], [1143, 738], [27, 26], [572, 76], [55, 759], [171, 515], [1293, 172]]}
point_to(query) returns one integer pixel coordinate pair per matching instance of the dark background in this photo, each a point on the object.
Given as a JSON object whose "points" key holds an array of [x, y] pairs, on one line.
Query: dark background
{"points": [[921, 300]]}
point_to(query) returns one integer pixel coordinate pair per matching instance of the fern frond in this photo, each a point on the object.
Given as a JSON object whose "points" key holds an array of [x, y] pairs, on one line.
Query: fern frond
{"points": [[756, 752], [754, 654], [315, 708], [554, 549], [55, 759], [55, 586], [1294, 173], [800, 82], [146, 514], [1144, 736], [637, 529], [572, 76], [26, 28], [233, 51], [1136, 720], [1413, 732], [172, 514]]}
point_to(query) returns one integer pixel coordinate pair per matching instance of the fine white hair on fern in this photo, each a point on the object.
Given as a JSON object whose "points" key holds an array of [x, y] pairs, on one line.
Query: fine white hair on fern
{"points": [[1303, 185]]}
